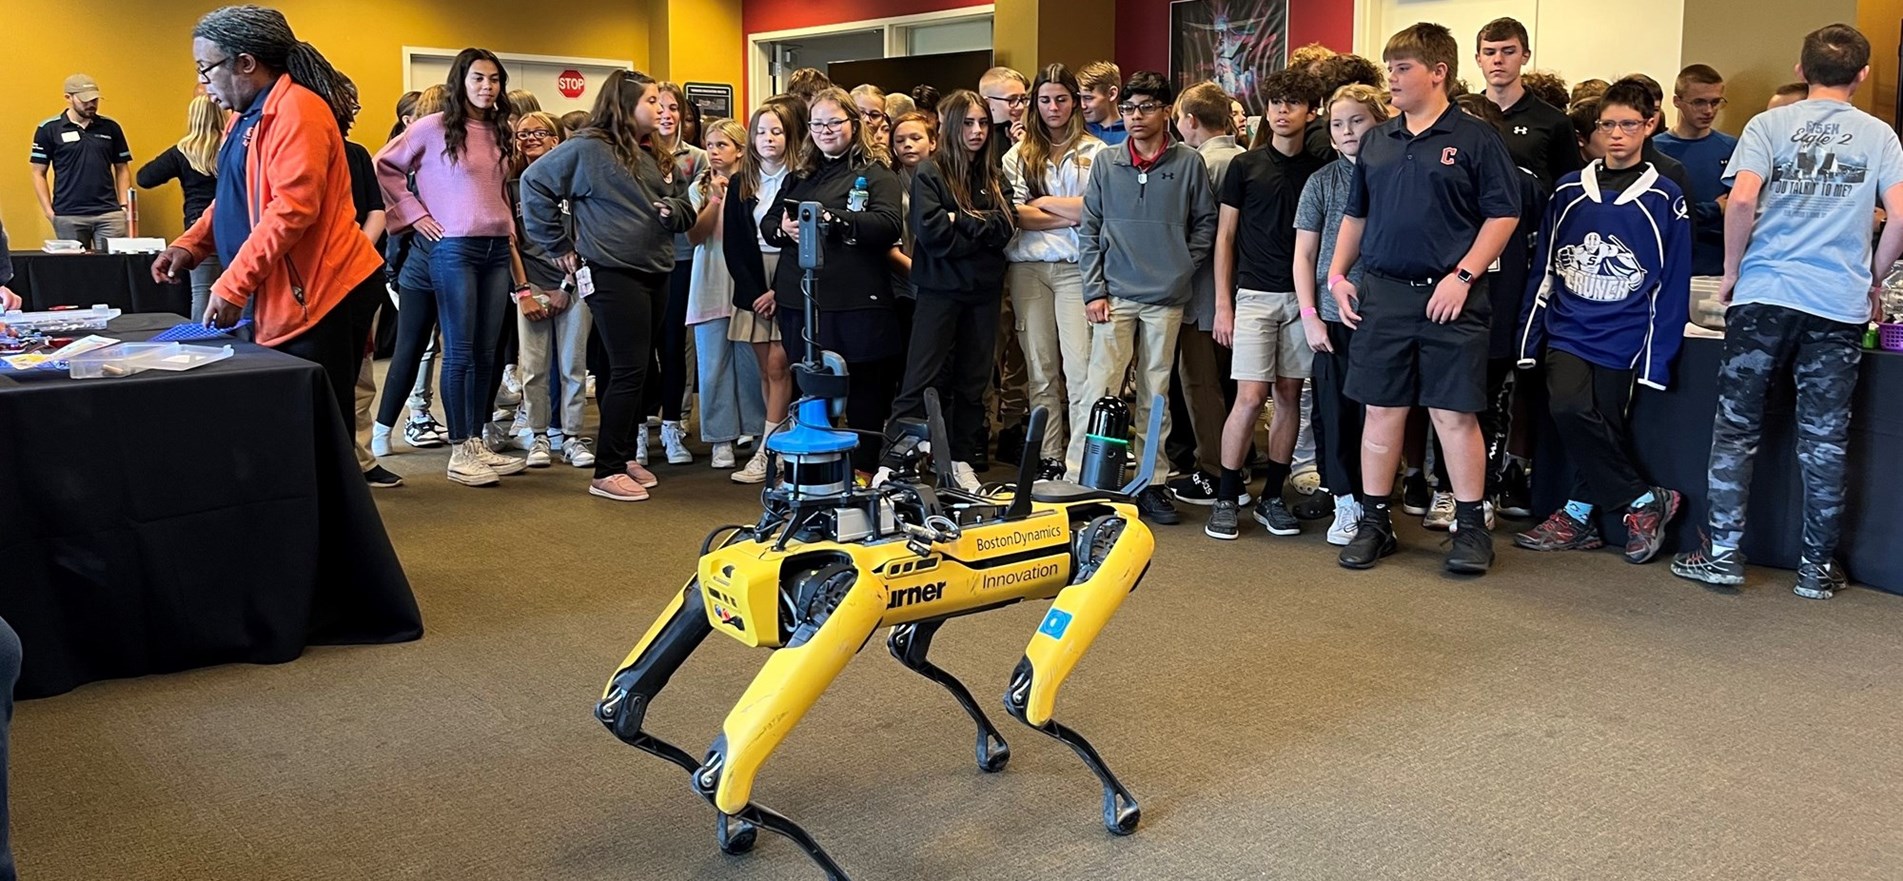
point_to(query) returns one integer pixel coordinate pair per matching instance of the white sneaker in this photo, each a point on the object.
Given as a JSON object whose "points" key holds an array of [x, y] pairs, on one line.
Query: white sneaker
{"points": [[538, 456], [521, 436], [745, 440], [503, 465], [511, 393], [674, 440], [1440, 512], [723, 455], [755, 472], [379, 440], [641, 447], [467, 468], [965, 478], [1347, 517], [576, 451]]}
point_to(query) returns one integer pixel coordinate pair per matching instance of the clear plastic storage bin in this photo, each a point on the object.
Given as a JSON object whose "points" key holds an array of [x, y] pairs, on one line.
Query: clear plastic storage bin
{"points": [[126, 359]]}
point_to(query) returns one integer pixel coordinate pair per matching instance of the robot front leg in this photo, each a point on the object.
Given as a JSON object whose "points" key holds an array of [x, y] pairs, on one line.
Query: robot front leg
{"points": [[1112, 555], [840, 619], [624, 703], [910, 643]]}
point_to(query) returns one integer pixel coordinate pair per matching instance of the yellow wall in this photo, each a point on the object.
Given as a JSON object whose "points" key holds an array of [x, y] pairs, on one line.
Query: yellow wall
{"points": [[143, 64], [1754, 44], [698, 41], [1879, 19]]}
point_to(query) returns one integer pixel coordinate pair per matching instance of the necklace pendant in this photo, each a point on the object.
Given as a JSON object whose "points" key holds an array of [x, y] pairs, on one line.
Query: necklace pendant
{"points": [[1143, 177]]}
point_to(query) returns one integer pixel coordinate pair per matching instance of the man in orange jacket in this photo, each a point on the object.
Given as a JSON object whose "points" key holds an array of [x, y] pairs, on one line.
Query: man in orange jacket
{"points": [[283, 221]]}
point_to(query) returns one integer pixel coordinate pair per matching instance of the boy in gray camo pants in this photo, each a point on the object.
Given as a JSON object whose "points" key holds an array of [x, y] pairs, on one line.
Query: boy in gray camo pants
{"points": [[1800, 279]]}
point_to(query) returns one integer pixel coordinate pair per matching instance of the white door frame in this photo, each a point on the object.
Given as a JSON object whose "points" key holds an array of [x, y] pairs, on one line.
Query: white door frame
{"points": [[411, 53], [894, 27]]}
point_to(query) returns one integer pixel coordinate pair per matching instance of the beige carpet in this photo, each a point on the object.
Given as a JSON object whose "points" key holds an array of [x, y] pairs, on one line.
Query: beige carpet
{"points": [[1568, 717]]}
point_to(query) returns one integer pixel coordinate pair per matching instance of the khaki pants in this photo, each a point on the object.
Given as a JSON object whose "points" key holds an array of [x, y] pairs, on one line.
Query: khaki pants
{"points": [[1139, 339], [1201, 368], [366, 396], [1048, 299]]}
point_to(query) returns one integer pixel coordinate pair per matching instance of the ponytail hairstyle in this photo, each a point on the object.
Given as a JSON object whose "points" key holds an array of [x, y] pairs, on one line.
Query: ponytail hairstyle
{"points": [[265, 35], [1041, 145], [204, 134], [613, 121], [965, 171], [735, 133], [864, 150], [431, 101], [405, 106], [456, 106]]}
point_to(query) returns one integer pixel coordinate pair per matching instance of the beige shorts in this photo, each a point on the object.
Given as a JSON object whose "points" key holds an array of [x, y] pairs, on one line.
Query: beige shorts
{"points": [[1269, 343]]}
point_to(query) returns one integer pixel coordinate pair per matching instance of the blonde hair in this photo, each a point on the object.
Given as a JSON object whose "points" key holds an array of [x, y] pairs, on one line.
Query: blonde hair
{"points": [[1003, 75], [1310, 54], [735, 132], [864, 149], [1100, 76], [1375, 100], [432, 101], [543, 119], [868, 90], [204, 134], [898, 104]]}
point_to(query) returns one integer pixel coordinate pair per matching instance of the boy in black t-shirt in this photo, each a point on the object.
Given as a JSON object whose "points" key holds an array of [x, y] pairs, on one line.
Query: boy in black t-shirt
{"points": [[1433, 201]]}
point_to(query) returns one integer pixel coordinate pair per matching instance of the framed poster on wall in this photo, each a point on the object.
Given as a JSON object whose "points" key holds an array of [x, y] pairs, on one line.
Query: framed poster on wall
{"points": [[1236, 43], [715, 101]]}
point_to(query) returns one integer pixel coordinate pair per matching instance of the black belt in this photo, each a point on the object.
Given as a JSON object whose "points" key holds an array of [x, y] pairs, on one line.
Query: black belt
{"points": [[1410, 282]]}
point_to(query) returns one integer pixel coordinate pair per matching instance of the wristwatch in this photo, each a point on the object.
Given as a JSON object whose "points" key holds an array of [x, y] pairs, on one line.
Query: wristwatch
{"points": [[1464, 276]]}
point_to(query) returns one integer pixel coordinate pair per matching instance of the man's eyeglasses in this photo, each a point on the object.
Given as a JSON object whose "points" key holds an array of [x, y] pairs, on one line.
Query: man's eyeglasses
{"points": [[1140, 109], [1012, 101], [827, 125], [1702, 104], [534, 134], [204, 73], [1629, 126]]}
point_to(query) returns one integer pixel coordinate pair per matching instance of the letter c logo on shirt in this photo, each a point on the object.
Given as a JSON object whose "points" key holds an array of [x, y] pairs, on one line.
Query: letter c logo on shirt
{"points": [[1447, 155]]}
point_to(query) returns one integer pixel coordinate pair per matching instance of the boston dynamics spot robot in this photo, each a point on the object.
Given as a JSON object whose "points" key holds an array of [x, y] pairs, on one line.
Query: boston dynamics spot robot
{"points": [[828, 564]]}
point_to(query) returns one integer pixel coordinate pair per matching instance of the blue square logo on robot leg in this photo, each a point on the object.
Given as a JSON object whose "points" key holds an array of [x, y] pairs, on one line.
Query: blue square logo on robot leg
{"points": [[1055, 624]]}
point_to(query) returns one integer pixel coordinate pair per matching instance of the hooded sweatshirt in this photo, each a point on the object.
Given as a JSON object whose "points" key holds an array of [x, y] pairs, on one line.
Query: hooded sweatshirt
{"points": [[614, 219], [1141, 240]]}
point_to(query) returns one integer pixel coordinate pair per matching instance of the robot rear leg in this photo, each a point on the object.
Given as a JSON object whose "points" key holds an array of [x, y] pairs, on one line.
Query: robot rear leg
{"points": [[910, 643]]}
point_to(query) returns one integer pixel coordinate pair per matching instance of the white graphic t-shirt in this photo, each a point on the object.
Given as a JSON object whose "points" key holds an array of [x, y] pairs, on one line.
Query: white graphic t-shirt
{"points": [[1825, 166]]}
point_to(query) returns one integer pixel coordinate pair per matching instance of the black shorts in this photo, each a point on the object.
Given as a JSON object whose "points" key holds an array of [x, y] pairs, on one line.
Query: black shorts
{"points": [[1399, 358]]}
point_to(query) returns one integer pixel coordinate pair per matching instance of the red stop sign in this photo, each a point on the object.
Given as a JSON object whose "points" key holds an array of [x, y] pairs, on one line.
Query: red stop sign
{"points": [[571, 83]]}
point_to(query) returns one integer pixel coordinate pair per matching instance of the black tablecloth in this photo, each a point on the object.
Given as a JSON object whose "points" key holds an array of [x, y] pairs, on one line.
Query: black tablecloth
{"points": [[1672, 439], [123, 281], [164, 521]]}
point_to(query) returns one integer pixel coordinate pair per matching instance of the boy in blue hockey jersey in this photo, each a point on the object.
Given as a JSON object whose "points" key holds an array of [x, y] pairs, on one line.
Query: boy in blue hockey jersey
{"points": [[1607, 303]]}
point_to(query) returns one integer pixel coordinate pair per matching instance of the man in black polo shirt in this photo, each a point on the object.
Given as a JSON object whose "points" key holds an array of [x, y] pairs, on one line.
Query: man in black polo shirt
{"points": [[1539, 136], [91, 165], [1432, 202]]}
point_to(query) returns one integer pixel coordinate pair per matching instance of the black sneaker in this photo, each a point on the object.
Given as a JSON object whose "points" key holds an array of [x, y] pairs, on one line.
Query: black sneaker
{"points": [[1516, 492], [380, 476], [1816, 582], [1273, 514], [1195, 488], [1050, 469], [1374, 539], [1703, 564], [1416, 495], [1222, 521], [1472, 549], [1318, 506], [1154, 504]]}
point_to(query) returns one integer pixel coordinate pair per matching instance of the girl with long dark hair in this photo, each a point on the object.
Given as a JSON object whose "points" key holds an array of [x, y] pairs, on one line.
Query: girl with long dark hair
{"points": [[1047, 172], [752, 262], [459, 160], [961, 221], [848, 174], [671, 394], [627, 203]]}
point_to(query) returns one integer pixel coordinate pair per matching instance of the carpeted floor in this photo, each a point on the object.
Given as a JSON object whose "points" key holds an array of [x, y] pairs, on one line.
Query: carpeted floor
{"points": [[1567, 717]]}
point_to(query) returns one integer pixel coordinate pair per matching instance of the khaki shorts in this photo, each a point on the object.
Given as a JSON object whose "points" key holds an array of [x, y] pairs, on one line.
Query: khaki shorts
{"points": [[1269, 343]]}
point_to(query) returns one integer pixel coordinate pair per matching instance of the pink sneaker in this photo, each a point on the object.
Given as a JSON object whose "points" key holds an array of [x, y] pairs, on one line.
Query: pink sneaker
{"points": [[641, 474], [618, 488]]}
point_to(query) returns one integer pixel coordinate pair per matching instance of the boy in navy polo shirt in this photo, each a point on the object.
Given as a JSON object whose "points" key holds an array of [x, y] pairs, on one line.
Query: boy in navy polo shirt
{"points": [[1433, 201], [1698, 94]]}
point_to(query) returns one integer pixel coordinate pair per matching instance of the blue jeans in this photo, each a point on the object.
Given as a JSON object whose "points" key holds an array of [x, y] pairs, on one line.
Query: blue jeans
{"points": [[470, 277], [9, 674], [730, 401]]}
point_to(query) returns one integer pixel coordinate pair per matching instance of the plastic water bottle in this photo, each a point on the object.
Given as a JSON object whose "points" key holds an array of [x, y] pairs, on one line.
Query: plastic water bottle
{"points": [[1892, 301], [857, 198]]}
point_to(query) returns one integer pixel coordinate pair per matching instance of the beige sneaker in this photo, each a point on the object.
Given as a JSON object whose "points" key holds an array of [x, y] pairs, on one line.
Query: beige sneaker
{"points": [[618, 488], [503, 465], [467, 468], [755, 472]]}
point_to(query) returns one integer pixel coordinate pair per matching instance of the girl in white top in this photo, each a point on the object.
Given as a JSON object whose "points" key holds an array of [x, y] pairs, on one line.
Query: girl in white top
{"points": [[731, 398], [1047, 171], [752, 189]]}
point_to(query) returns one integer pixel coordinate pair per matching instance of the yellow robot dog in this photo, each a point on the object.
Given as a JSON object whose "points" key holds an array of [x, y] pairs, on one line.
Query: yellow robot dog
{"points": [[828, 564]]}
